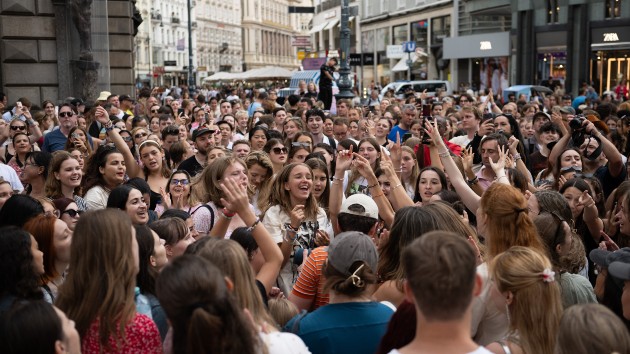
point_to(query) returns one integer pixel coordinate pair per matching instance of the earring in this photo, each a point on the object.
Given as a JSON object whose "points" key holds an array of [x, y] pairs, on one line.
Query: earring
{"points": [[507, 312]]}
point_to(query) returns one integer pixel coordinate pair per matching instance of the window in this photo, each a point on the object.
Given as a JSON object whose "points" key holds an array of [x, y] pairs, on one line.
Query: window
{"points": [[400, 34], [552, 11], [401, 4], [367, 8], [613, 8]]}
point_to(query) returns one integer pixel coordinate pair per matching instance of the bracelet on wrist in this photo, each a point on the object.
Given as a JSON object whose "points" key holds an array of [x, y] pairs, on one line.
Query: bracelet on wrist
{"points": [[517, 157], [290, 227], [378, 195], [335, 178], [398, 185], [251, 228], [473, 181], [227, 213], [444, 154], [373, 185]]}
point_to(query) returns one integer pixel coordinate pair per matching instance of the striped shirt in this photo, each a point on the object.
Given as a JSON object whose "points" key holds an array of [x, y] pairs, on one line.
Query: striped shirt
{"points": [[310, 282]]}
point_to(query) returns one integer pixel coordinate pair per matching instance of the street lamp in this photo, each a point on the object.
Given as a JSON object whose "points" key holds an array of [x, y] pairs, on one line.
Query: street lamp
{"points": [[344, 82]]}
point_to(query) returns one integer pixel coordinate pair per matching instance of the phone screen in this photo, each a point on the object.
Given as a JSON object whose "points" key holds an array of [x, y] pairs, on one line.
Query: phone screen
{"points": [[426, 110]]}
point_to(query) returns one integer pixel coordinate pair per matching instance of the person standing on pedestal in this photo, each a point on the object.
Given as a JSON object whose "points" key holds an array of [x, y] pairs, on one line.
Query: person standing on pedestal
{"points": [[325, 82]]}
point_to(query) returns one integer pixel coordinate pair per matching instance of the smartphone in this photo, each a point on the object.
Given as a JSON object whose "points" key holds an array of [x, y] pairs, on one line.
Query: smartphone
{"points": [[406, 136], [206, 117], [75, 136], [487, 116], [180, 111], [426, 110], [425, 137]]}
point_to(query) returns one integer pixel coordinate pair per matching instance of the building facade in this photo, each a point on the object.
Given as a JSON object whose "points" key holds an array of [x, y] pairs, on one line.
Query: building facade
{"points": [[391, 23], [269, 32], [219, 44]]}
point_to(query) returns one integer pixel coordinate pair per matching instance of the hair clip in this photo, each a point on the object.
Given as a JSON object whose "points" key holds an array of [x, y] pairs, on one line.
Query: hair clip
{"points": [[548, 275], [356, 280]]}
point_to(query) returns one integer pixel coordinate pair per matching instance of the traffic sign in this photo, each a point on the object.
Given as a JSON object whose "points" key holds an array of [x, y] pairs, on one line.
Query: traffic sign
{"points": [[409, 47]]}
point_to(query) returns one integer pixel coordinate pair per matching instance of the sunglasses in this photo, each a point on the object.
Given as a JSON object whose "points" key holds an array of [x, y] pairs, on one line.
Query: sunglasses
{"points": [[126, 138], [140, 135], [66, 114], [279, 150], [154, 111], [73, 213], [16, 127], [183, 182]]}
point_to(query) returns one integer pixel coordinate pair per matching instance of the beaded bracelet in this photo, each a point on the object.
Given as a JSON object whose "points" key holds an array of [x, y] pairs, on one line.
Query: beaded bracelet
{"points": [[251, 228], [398, 185], [374, 185], [444, 154], [378, 195]]}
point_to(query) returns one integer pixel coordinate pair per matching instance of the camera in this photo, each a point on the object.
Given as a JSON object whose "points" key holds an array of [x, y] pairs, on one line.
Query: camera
{"points": [[576, 122]]}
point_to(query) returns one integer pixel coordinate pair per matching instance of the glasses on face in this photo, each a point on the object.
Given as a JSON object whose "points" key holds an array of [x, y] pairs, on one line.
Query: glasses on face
{"points": [[65, 114], [279, 150], [154, 111], [126, 138], [140, 135], [72, 212], [18, 127], [177, 182], [29, 163]]}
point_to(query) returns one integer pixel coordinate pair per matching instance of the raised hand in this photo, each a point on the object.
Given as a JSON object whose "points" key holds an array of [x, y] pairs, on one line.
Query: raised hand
{"points": [[586, 200], [432, 130], [101, 115], [344, 159], [467, 158], [513, 141], [362, 165], [395, 150], [236, 198], [297, 216], [499, 165], [166, 198]]}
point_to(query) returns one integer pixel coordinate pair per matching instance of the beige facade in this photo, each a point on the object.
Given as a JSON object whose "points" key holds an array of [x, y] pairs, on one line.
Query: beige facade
{"points": [[268, 29]]}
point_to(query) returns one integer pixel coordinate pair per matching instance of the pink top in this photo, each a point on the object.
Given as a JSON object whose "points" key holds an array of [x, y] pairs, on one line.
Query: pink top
{"points": [[141, 336]]}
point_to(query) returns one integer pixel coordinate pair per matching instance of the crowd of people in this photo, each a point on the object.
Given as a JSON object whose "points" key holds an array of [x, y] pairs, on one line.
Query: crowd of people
{"points": [[223, 222]]}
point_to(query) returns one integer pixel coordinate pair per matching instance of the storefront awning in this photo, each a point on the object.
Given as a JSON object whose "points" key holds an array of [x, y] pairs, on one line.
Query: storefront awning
{"points": [[307, 76], [332, 24], [402, 63], [318, 27]]}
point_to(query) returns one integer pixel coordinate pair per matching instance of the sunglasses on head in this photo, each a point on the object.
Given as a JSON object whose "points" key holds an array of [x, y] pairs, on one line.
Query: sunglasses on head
{"points": [[72, 212], [279, 150], [66, 114], [140, 135], [299, 144], [18, 127], [183, 182]]}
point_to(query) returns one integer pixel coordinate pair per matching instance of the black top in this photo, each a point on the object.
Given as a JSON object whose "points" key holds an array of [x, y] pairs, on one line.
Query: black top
{"points": [[191, 165], [324, 81]]}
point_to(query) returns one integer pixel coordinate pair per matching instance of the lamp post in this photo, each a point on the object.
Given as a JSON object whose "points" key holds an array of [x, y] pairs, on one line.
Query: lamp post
{"points": [[344, 71], [191, 78]]}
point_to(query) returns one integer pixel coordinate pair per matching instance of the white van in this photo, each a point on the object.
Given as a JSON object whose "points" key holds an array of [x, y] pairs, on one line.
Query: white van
{"points": [[432, 87]]}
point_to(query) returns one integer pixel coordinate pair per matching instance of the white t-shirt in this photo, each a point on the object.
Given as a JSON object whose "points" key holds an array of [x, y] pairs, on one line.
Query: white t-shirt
{"points": [[11, 176]]}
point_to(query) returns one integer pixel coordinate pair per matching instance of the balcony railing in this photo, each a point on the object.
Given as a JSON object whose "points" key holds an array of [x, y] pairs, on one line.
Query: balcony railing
{"points": [[156, 16], [175, 20]]}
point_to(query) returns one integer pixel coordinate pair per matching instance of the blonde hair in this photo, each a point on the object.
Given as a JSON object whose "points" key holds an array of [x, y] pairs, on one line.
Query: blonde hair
{"points": [[415, 170], [282, 310], [591, 328], [233, 261], [262, 159], [536, 305], [507, 221]]}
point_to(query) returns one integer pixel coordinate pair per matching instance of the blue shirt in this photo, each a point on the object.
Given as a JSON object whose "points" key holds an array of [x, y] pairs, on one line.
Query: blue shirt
{"points": [[351, 327], [392, 134], [55, 141]]}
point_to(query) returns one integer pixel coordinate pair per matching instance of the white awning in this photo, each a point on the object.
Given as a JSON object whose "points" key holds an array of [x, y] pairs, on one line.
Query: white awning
{"points": [[332, 24], [318, 27], [402, 63]]}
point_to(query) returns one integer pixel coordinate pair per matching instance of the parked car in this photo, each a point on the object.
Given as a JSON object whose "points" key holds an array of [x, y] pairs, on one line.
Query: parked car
{"points": [[527, 90], [432, 87]]}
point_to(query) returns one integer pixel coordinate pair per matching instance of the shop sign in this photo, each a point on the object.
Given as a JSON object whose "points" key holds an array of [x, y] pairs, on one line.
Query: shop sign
{"points": [[395, 51], [477, 46], [354, 59], [368, 59], [611, 37]]}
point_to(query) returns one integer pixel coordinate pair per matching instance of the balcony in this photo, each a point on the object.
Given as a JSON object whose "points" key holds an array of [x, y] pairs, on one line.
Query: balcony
{"points": [[175, 20], [193, 24], [155, 16]]}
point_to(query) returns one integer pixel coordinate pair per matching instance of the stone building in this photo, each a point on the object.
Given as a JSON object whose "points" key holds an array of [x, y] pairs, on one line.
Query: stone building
{"points": [[43, 55]]}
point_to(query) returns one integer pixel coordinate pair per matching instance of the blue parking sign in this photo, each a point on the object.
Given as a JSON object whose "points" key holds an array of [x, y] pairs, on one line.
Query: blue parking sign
{"points": [[409, 47]]}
